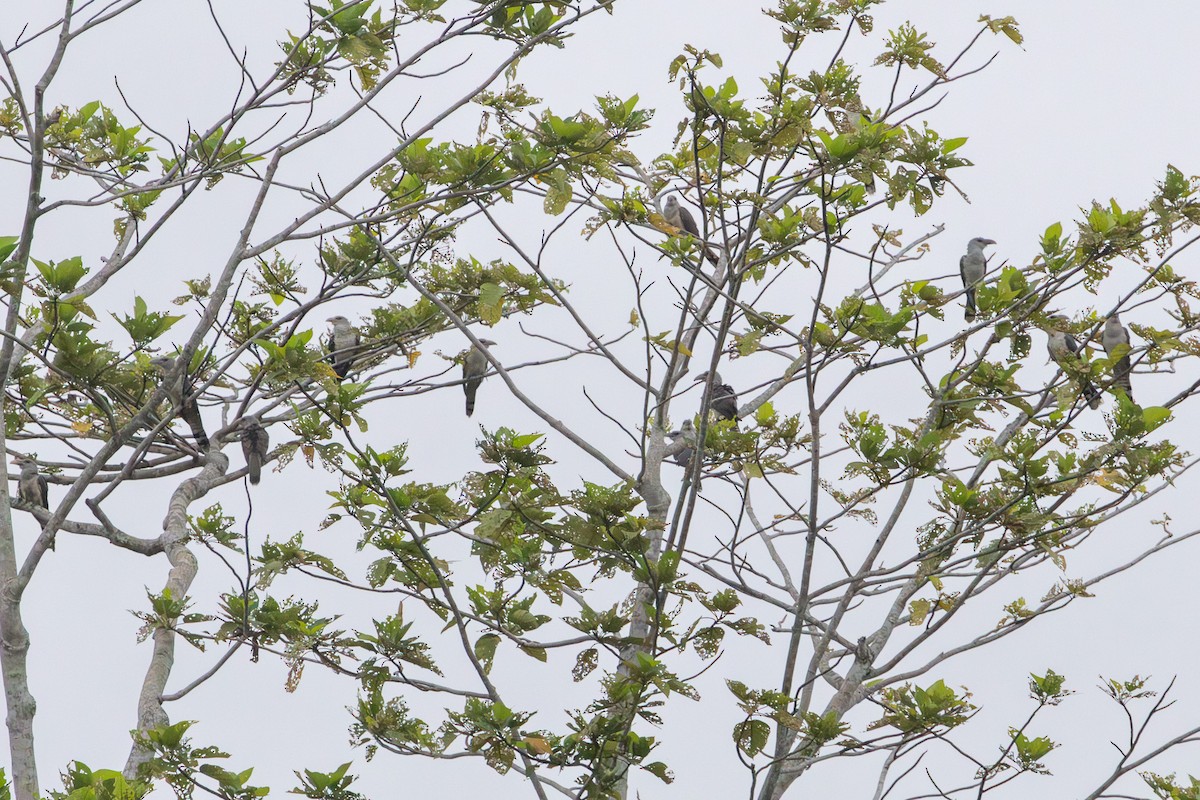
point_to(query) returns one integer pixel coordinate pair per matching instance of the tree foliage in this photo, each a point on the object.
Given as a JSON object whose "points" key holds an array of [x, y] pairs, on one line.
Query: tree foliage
{"points": [[892, 472]]}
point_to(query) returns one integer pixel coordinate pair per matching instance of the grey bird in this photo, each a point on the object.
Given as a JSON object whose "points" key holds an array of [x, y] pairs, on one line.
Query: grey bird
{"points": [[179, 394], [342, 344], [475, 366], [681, 218], [255, 444], [723, 399], [973, 267], [1113, 336], [1065, 351], [686, 432], [32, 487]]}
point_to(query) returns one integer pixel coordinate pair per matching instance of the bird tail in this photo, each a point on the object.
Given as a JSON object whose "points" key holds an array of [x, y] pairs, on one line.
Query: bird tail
{"points": [[470, 389], [1091, 394], [191, 415], [711, 255], [340, 363], [969, 313], [1121, 376], [255, 443]]}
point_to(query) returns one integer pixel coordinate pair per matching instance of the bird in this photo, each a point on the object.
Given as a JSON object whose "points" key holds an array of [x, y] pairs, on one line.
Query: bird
{"points": [[681, 218], [475, 366], [1113, 336], [32, 487], [342, 344], [972, 267], [723, 399], [1065, 351], [686, 432], [255, 443], [179, 394]]}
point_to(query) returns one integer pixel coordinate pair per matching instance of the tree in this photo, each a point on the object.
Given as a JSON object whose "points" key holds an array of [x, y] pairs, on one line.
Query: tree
{"points": [[844, 544]]}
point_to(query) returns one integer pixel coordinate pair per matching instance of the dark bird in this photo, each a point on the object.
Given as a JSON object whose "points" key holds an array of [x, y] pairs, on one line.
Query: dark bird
{"points": [[973, 267], [681, 218], [342, 344], [1066, 352], [723, 399], [179, 393], [255, 444], [475, 366], [1113, 336], [32, 487]]}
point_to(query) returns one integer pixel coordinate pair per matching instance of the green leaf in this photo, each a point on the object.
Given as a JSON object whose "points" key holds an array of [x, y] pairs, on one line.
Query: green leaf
{"points": [[751, 736], [62, 276], [918, 610], [1155, 416], [950, 145], [765, 415], [485, 649], [534, 652], [558, 192], [525, 440], [491, 303]]}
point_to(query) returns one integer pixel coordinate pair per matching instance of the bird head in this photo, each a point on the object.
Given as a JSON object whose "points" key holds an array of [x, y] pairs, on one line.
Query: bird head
{"points": [[703, 377], [672, 203], [163, 363], [338, 322], [980, 242], [488, 342], [686, 430]]}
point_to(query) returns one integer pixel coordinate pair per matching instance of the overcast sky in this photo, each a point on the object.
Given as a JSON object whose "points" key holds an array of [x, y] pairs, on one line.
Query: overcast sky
{"points": [[1095, 105]]}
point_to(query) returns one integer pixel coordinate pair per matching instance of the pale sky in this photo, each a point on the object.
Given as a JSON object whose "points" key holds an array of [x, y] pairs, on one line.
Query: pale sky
{"points": [[1093, 106]]}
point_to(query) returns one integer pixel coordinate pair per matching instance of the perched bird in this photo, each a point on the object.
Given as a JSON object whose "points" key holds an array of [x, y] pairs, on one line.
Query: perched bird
{"points": [[475, 366], [32, 487], [1065, 351], [1113, 336], [681, 218], [972, 267], [179, 394], [723, 399], [342, 344], [255, 444], [686, 432]]}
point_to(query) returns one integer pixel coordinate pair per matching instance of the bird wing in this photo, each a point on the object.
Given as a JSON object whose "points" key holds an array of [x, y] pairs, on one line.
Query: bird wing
{"points": [[688, 222]]}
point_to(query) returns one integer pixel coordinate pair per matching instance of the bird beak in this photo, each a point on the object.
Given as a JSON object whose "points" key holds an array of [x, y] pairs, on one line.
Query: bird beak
{"points": [[989, 241]]}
